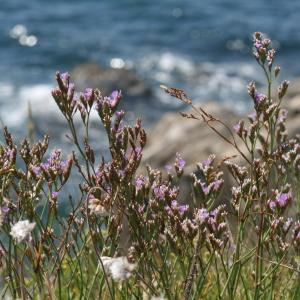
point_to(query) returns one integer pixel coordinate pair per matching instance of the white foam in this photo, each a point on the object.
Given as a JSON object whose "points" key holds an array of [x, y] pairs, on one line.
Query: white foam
{"points": [[6, 90], [40, 98], [117, 63], [167, 62], [14, 107], [14, 111], [224, 82]]}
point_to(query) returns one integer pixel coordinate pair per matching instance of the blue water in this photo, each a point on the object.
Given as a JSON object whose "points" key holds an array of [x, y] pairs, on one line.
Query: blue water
{"points": [[202, 46]]}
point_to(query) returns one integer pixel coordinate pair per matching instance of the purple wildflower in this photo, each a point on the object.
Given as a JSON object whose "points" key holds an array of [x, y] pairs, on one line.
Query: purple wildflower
{"points": [[65, 77], [258, 44], [63, 165], [174, 203], [120, 114], [45, 166], [179, 162], [160, 190], [141, 209], [53, 163], [54, 156], [259, 97], [36, 170], [217, 184], [183, 208], [205, 188], [202, 215], [272, 205], [283, 199], [138, 151], [9, 153], [206, 164], [5, 209], [115, 98], [141, 182], [121, 173], [88, 93], [54, 195], [169, 211], [114, 94], [63, 81]]}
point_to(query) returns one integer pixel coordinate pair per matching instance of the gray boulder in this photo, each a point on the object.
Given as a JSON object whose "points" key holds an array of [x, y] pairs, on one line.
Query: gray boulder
{"points": [[107, 80]]}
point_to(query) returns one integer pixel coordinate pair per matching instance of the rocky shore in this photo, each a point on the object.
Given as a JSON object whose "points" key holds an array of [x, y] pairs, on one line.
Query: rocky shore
{"points": [[195, 140]]}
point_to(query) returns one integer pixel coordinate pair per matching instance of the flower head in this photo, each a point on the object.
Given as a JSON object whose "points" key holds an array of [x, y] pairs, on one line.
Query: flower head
{"points": [[88, 94], [259, 97], [202, 215], [119, 268], [22, 230], [160, 191], [283, 199], [54, 195], [179, 162], [114, 98], [141, 181]]}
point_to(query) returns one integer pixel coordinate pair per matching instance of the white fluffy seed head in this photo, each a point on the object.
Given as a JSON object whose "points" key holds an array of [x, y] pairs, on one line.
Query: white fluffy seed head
{"points": [[119, 268], [22, 230]]}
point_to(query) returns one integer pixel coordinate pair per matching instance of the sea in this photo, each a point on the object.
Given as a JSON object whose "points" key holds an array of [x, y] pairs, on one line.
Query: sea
{"points": [[201, 46]]}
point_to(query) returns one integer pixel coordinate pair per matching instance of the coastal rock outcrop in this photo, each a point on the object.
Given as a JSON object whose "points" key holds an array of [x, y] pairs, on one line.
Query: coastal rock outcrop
{"points": [[195, 140], [192, 138], [107, 80]]}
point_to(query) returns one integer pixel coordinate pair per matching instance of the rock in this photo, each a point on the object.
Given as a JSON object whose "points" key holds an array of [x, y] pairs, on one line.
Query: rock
{"points": [[107, 80], [195, 140], [192, 138]]}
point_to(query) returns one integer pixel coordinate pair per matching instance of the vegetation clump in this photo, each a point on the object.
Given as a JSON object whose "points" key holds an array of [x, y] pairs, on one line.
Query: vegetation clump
{"points": [[128, 235]]}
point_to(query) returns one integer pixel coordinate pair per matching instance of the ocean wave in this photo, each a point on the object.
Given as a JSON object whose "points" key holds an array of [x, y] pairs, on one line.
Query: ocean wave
{"points": [[222, 82], [15, 102]]}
